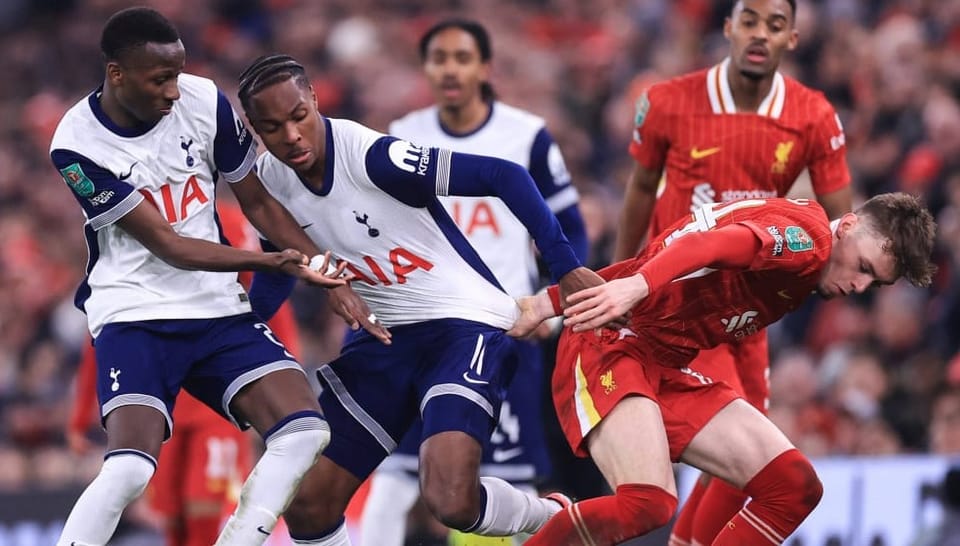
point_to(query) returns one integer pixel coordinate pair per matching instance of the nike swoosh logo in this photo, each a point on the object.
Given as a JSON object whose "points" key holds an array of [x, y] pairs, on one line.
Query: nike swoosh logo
{"points": [[128, 173], [262, 530], [783, 294], [700, 154], [474, 381], [306, 225], [502, 455]]}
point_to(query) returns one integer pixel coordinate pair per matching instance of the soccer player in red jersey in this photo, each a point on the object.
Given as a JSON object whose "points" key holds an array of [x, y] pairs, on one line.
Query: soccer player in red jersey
{"points": [[737, 130], [625, 394], [202, 466]]}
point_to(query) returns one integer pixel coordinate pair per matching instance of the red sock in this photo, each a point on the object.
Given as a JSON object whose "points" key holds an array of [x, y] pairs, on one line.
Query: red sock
{"points": [[633, 511], [784, 493], [682, 532], [720, 503], [201, 531]]}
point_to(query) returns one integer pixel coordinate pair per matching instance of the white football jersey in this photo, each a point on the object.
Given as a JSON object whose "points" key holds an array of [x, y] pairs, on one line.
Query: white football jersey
{"points": [[379, 211], [174, 164], [515, 135]]}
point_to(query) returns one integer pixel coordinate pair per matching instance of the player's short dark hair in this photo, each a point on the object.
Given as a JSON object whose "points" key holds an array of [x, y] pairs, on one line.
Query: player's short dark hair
{"points": [[132, 28], [269, 70], [480, 36], [909, 230], [793, 7]]}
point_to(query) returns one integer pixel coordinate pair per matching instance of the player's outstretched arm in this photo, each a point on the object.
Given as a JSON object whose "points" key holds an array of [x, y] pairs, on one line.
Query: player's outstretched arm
{"points": [[638, 202], [605, 304]]}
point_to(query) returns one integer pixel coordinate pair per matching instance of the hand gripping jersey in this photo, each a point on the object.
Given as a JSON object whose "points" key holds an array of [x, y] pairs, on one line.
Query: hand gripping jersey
{"points": [[378, 211], [515, 135], [709, 153], [174, 164], [709, 307]]}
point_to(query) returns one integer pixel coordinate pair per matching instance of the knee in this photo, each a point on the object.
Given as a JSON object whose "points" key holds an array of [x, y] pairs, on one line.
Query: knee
{"points": [[456, 506], [643, 508], [788, 481], [803, 483], [299, 439], [128, 470]]}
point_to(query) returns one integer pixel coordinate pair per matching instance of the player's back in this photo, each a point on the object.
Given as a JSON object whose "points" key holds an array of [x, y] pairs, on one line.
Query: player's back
{"points": [[709, 152], [508, 133], [412, 262], [111, 170], [709, 307]]}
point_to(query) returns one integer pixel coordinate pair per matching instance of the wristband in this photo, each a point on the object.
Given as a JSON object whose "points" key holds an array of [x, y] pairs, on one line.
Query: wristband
{"points": [[317, 261]]}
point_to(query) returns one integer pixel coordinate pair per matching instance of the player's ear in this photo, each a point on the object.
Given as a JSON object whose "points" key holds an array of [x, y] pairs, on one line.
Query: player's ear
{"points": [[313, 98], [114, 73], [847, 222], [727, 27], [794, 40]]}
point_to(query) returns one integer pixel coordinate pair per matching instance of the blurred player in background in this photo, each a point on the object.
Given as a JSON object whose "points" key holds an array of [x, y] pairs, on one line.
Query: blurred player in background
{"points": [[374, 199], [738, 130], [627, 398], [467, 118], [202, 466], [141, 155]]}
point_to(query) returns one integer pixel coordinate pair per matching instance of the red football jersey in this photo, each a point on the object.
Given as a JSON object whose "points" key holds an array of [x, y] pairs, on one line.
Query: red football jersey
{"points": [[689, 128], [710, 307]]}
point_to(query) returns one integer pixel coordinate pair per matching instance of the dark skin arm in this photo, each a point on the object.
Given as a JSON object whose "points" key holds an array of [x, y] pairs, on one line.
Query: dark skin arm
{"points": [[638, 202], [837, 203]]}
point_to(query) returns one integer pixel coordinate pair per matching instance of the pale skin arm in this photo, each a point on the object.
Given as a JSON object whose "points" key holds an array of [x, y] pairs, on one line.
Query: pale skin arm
{"points": [[638, 202]]}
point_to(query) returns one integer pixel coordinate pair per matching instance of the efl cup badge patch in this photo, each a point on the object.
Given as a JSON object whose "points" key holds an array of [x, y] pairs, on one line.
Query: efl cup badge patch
{"points": [[74, 176], [797, 239]]}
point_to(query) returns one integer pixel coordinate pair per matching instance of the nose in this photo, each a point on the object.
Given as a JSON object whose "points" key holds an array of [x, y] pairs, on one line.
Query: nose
{"points": [[171, 91], [862, 283], [290, 133]]}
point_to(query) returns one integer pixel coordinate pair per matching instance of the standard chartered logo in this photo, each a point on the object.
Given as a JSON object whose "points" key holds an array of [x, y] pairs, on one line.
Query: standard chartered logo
{"points": [[703, 194]]}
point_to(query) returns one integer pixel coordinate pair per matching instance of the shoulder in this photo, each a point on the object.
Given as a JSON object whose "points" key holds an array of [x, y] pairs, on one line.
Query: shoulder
{"points": [[74, 124], [351, 139], [414, 120], [692, 83], [806, 101], [517, 117], [197, 88]]}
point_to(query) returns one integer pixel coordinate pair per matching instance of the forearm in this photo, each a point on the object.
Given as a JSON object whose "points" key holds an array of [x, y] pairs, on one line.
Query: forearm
{"points": [[638, 202], [278, 225], [268, 291], [200, 255], [730, 247], [477, 176]]}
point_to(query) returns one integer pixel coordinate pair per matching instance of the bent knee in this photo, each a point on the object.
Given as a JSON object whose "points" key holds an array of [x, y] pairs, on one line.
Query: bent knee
{"points": [[644, 508], [803, 480], [457, 508]]}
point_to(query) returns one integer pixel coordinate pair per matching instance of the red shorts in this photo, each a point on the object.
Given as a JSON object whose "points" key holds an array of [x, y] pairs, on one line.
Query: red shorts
{"points": [[592, 376], [744, 365], [206, 460]]}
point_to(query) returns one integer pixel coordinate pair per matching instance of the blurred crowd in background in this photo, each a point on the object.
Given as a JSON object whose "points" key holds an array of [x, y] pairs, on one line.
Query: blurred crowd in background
{"points": [[871, 375]]}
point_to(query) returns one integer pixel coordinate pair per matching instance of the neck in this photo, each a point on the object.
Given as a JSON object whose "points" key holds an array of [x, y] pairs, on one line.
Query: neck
{"points": [[466, 118], [112, 108], [748, 92]]}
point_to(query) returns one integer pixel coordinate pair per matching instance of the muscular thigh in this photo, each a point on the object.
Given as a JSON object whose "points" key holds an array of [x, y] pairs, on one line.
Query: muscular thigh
{"points": [[736, 444]]}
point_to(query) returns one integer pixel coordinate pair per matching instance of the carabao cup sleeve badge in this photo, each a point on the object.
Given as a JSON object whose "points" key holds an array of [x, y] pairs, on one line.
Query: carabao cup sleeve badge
{"points": [[78, 181]]}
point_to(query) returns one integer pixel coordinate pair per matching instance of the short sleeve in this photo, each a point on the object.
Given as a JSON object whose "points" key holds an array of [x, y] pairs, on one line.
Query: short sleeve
{"points": [[234, 152], [549, 172], [650, 140], [410, 173], [828, 164], [104, 196]]}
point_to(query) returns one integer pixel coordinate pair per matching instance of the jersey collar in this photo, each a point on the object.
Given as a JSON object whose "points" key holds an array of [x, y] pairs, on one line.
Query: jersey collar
{"points": [[127, 132], [721, 97]]}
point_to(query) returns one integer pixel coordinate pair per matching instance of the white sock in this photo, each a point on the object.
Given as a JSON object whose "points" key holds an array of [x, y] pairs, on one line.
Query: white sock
{"points": [[291, 451], [510, 511], [337, 538], [122, 478], [392, 494]]}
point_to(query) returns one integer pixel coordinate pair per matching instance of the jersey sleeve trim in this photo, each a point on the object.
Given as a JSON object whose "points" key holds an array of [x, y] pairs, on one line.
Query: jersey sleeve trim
{"points": [[120, 210], [443, 171], [244, 169], [563, 199]]}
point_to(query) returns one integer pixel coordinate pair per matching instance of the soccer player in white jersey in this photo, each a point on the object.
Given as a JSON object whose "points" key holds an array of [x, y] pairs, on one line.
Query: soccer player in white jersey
{"points": [[141, 155], [466, 117], [373, 200]]}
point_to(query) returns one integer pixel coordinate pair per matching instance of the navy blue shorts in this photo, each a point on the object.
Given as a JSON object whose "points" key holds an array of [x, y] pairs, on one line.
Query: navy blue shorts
{"points": [[517, 450], [451, 373], [147, 362]]}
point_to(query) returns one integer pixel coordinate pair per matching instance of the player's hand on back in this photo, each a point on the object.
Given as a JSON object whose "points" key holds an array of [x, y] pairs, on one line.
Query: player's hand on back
{"points": [[606, 305], [355, 312]]}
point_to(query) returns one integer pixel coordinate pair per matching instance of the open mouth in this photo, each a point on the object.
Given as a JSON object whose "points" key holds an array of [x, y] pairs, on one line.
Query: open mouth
{"points": [[757, 54]]}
